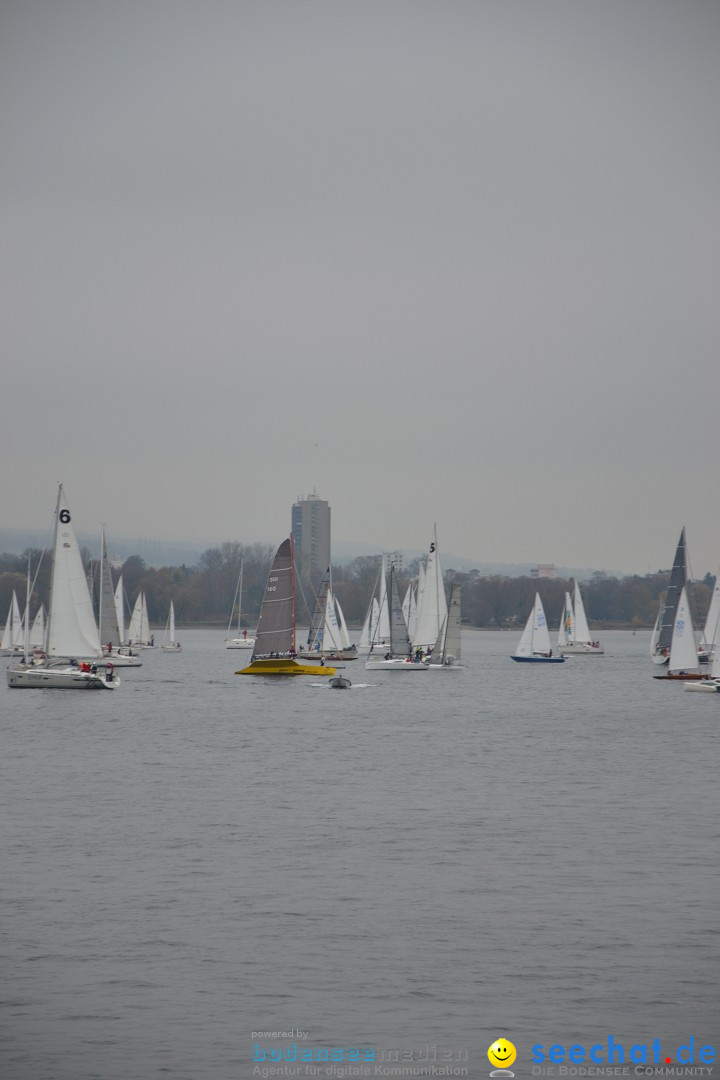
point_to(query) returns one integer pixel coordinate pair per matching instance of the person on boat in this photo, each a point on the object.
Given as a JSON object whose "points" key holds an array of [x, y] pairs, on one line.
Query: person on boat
{"points": [[152, 640], [387, 655], [322, 661], [245, 635], [109, 672], [109, 648]]}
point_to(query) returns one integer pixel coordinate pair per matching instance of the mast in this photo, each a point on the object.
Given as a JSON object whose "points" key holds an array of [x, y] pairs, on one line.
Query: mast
{"points": [[54, 562]]}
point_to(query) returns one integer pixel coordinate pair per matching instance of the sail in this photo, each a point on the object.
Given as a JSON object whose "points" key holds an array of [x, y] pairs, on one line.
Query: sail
{"points": [[316, 632], [541, 636], [171, 625], [382, 629], [7, 637], [367, 630], [331, 634], [18, 624], [678, 580], [71, 625], [344, 635], [525, 645], [713, 615], [120, 609], [582, 630], [135, 627], [108, 621], [432, 604], [452, 634], [683, 650], [276, 626], [565, 633], [37, 630], [144, 621], [399, 640]]}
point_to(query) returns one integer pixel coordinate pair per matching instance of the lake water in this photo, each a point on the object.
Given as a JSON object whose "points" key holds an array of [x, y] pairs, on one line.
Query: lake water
{"points": [[432, 861]]}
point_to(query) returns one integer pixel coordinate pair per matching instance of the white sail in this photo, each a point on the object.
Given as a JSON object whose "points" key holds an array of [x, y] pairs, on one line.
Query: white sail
{"points": [[6, 643], [71, 625], [432, 603], [382, 629], [120, 609], [331, 632], [344, 635], [715, 646], [447, 650], [406, 604], [535, 640], [582, 630], [37, 630], [135, 627], [18, 624], [713, 616], [366, 632], [145, 635], [683, 650], [170, 642]]}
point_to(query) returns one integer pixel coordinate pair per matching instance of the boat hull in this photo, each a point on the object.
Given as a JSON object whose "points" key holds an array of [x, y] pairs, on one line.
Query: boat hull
{"points": [[707, 686], [284, 666], [171, 648], [340, 684], [240, 643], [61, 678], [395, 665], [581, 650], [682, 676], [538, 659]]}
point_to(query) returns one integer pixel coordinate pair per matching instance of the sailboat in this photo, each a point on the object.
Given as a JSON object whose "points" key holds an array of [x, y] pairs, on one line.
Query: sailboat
{"points": [[170, 642], [399, 656], [241, 639], [683, 660], [111, 637], [139, 629], [431, 603], [274, 652], [73, 644], [446, 654], [711, 684], [328, 637], [708, 645], [574, 625], [12, 638], [665, 622], [534, 645]]}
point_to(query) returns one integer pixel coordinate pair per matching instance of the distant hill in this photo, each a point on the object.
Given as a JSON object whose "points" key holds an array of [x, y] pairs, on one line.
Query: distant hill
{"points": [[177, 553]]}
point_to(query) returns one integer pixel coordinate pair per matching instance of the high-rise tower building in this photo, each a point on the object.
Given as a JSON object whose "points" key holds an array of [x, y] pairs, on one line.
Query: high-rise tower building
{"points": [[311, 530]]}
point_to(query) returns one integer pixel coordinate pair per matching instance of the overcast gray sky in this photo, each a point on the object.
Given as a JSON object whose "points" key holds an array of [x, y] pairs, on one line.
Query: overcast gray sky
{"points": [[444, 261]]}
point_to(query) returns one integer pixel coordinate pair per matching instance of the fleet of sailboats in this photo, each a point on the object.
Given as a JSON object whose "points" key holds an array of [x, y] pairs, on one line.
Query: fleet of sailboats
{"points": [[77, 647]]}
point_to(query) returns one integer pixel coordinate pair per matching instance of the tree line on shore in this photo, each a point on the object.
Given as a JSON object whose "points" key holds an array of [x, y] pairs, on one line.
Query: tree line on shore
{"points": [[203, 594]]}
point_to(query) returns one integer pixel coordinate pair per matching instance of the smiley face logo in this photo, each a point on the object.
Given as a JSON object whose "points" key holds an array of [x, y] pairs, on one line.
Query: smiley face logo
{"points": [[502, 1053]]}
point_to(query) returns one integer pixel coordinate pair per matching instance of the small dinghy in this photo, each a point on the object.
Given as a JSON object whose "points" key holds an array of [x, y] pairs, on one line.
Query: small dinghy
{"points": [[339, 683]]}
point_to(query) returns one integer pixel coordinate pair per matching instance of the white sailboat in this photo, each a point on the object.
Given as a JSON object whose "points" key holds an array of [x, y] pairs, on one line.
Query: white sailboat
{"points": [[683, 660], [446, 654], [170, 642], [399, 655], [73, 644], [139, 629], [327, 638], [711, 684], [111, 634], [432, 603], [376, 628], [369, 630], [707, 646], [242, 639], [574, 625], [534, 645], [12, 638]]}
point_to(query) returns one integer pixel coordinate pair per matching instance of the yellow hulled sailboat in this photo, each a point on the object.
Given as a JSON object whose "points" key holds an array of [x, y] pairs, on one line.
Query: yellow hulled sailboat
{"points": [[274, 652]]}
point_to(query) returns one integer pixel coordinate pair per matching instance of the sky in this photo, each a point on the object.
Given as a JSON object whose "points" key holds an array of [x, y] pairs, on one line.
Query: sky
{"points": [[450, 262]]}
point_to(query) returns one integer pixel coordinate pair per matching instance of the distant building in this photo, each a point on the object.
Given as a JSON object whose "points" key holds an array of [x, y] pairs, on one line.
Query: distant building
{"points": [[544, 570], [392, 558], [311, 531]]}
